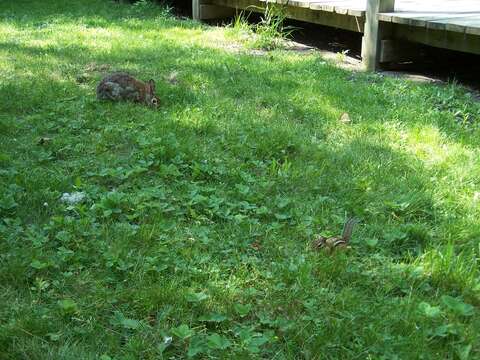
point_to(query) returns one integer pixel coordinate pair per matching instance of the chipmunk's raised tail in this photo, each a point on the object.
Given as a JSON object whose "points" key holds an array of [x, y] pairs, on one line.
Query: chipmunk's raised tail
{"points": [[348, 228]]}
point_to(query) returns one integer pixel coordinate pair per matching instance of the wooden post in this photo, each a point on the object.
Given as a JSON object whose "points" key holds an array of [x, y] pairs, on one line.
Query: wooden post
{"points": [[203, 10], [373, 32], [196, 9]]}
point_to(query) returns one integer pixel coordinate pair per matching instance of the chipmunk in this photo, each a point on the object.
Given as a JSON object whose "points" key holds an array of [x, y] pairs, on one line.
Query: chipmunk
{"points": [[123, 87], [331, 243]]}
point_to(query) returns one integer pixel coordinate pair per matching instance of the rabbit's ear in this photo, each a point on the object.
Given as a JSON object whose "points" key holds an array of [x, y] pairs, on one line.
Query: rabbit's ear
{"points": [[151, 83]]}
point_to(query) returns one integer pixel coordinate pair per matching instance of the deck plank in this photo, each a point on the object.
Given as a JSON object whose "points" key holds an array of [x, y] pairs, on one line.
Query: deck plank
{"points": [[343, 7], [458, 22], [461, 16]]}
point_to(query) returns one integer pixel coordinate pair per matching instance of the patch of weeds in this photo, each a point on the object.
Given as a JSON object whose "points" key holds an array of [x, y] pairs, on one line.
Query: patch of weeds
{"points": [[454, 269], [269, 33], [452, 101], [144, 7]]}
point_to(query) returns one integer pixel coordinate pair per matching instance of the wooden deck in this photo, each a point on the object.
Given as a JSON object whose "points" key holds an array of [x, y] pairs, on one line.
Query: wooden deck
{"points": [[450, 24], [461, 16], [453, 15]]}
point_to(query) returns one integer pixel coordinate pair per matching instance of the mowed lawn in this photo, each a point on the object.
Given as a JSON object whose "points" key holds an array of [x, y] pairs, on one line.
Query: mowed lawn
{"points": [[193, 237]]}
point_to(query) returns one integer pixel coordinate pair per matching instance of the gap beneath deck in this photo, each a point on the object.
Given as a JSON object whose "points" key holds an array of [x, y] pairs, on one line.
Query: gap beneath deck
{"points": [[448, 24]]}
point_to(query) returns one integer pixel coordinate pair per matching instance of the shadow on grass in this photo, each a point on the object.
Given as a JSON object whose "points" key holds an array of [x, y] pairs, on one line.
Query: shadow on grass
{"points": [[278, 113], [351, 174]]}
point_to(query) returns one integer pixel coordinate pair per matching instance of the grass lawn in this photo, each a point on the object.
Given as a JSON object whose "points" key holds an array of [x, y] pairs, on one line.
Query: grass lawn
{"points": [[193, 236]]}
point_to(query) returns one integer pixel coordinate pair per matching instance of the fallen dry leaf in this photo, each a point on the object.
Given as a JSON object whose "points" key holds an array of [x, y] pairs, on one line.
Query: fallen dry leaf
{"points": [[255, 245], [97, 67], [172, 78], [345, 118], [82, 78]]}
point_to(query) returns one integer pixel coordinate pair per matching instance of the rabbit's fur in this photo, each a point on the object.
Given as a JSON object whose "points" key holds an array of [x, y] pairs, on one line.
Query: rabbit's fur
{"points": [[123, 87]]}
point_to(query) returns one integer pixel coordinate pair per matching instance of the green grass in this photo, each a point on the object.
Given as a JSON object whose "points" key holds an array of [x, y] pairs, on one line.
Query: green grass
{"points": [[269, 33], [198, 217]]}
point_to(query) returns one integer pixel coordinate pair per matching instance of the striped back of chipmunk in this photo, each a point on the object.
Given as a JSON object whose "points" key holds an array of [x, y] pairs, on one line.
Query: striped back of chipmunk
{"points": [[339, 242], [335, 241]]}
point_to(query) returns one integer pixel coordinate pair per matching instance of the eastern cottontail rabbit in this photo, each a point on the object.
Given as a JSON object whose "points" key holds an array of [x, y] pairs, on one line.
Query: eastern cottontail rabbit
{"points": [[123, 87]]}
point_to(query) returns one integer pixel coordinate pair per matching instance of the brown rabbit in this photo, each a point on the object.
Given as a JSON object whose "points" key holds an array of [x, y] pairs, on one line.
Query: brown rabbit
{"points": [[123, 87]]}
